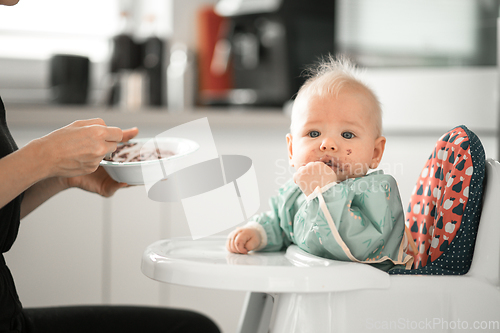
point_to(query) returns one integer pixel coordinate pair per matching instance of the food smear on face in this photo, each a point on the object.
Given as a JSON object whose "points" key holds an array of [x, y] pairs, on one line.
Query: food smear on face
{"points": [[135, 152]]}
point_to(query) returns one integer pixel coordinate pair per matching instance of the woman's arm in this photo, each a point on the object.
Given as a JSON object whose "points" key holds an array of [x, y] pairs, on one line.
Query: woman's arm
{"points": [[65, 158], [18, 171], [40, 192], [97, 182]]}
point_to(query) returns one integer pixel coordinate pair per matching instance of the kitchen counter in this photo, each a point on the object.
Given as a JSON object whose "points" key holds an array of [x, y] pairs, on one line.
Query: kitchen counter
{"points": [[57, 116]]}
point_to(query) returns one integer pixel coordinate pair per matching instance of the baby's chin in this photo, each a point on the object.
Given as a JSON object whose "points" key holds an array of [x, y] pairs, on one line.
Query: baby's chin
{"points": [[342, 171], [341, 177]]}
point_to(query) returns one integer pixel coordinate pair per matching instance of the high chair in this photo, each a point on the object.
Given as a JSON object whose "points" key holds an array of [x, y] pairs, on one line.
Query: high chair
{"points": [[296, 292]]}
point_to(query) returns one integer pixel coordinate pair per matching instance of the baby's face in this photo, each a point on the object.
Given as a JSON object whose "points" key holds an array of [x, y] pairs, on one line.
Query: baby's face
{"points": [[338, 130]]}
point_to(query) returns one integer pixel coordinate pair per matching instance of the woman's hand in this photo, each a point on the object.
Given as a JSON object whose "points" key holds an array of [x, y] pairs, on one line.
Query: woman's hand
{"points": [[67, 157], [312, 175], [99, 181], [76, 149]]}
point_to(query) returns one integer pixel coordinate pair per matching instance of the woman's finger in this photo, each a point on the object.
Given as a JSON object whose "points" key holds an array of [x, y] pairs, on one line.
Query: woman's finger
{"points": [[113, 134], [109, 133], [88, 122], [129, 134]]}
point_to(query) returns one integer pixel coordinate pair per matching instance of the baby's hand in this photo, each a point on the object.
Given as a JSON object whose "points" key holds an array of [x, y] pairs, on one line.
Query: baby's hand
{"points": [[243, 240], [312, 175]]}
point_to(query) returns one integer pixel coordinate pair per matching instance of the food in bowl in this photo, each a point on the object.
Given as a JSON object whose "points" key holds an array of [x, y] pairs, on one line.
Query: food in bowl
{"points": [[140, 159], [135, 152]]}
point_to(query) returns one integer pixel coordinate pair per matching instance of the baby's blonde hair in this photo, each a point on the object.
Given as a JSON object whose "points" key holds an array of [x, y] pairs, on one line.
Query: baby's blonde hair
{"points": [[329, 76]]}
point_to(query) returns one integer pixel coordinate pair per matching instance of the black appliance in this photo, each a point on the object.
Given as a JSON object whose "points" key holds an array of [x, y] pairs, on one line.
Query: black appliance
{"points": [[153, 63], [270, 50], [69, 79], [148, 57]]}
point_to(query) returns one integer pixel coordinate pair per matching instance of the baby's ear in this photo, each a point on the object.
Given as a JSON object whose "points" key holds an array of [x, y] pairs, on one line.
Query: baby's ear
{"points": [[378, 151], [290, 149]]}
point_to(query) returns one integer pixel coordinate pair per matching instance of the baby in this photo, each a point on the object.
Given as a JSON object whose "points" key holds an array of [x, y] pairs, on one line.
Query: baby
{"points": [[332, 208]]}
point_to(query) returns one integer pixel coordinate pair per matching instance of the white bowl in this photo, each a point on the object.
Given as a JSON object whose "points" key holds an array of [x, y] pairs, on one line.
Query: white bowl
{"points": [[131, 172]]}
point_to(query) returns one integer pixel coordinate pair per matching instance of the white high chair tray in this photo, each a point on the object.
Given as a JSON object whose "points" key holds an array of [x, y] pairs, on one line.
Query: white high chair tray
{"points": [[206, 263]]}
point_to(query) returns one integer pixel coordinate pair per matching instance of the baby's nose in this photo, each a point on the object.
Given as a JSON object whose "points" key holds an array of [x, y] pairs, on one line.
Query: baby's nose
{"points": [[328, 144]]}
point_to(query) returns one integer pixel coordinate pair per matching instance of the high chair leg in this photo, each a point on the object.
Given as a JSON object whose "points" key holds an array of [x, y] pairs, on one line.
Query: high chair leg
{"points": [[256, 314]]}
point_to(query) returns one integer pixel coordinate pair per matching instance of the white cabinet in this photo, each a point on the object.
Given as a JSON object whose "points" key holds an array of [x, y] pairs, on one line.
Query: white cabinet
{"points": [[132, 222], [58, 256]]}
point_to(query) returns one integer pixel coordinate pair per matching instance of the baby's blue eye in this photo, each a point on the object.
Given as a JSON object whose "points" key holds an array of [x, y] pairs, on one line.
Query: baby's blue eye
{"points": [[314, 134], [347, 135]]}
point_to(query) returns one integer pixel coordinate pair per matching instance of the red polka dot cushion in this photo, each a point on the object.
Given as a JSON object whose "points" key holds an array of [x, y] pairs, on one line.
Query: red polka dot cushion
{"points": [[445, 207]]}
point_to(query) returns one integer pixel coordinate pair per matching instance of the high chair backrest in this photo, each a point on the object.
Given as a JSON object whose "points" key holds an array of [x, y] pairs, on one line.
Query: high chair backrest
{"points": [[445, 207]]}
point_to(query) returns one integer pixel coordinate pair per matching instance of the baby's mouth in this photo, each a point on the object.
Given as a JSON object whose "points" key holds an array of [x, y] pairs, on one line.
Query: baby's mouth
{"points": [[332, 163], [329, 163]]}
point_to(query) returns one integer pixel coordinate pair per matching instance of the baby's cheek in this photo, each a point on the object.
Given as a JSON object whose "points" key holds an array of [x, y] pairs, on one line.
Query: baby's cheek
{"points": [[354, 168]]}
